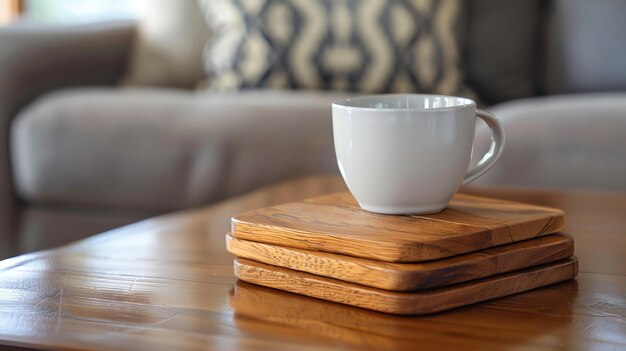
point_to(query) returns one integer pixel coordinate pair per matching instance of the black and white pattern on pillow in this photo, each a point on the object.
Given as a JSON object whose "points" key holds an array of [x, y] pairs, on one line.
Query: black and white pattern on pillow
{"points": [[371, 46]]}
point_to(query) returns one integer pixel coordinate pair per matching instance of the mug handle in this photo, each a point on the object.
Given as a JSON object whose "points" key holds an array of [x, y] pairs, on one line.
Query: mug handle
{"points": [[495, 149]]}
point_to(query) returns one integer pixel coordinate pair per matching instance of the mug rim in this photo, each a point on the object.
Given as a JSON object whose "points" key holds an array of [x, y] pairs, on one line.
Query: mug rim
{"points": [[345, 103]]}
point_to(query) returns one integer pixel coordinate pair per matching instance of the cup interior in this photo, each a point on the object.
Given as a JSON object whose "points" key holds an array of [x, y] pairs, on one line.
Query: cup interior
{"points": [[405, 102]]}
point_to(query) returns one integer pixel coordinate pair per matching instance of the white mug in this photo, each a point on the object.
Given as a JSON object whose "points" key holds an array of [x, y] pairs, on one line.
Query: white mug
{"points": [[409, 153]]}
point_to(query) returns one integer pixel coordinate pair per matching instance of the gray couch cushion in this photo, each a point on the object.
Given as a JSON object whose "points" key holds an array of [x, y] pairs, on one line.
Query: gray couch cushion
{"points": [[163, 150], [586, 47], [501, 48], [570, 141]]}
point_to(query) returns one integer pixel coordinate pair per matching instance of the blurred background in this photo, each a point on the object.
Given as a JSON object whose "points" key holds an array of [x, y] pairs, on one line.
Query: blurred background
{"points": [[69, 11], [113, 111]]}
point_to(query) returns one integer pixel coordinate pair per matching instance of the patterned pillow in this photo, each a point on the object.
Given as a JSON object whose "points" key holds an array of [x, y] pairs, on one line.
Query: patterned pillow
{"points": [[370, 46]]}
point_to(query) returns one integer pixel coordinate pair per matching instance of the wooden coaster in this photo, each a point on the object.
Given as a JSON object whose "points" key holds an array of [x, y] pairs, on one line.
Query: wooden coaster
{"points": [[335, 223], [409, 276], [405, 303]]}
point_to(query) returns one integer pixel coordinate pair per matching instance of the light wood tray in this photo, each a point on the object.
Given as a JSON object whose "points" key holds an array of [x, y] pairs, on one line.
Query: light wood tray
{"points": [[335, 223], [409, 276], [405, 303]]}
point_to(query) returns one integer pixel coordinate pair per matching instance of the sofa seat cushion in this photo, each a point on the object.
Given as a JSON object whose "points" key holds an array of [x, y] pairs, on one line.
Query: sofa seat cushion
{"points": [[566, 141], [166, 149]]}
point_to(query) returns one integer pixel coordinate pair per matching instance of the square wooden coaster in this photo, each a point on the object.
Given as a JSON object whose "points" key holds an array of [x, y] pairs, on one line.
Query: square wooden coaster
{"points": [[405, 303], [409, 276], [335, 223]]}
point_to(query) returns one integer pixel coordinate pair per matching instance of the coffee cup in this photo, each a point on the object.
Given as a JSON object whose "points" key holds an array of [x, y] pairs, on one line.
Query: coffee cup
{"points": [[409, 153]]}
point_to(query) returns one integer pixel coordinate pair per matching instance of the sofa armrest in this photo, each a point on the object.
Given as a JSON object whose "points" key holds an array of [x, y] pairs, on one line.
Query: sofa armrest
{"points": [[37, 59]]}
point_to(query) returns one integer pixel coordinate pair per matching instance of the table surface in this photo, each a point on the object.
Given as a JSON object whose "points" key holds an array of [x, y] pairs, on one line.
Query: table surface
{"points": [[167, 283]]}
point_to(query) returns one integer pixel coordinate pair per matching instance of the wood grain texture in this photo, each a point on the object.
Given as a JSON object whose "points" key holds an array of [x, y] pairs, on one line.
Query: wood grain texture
{"points": [[405, 303], [409, 276], [335, 223], [167, 284]]}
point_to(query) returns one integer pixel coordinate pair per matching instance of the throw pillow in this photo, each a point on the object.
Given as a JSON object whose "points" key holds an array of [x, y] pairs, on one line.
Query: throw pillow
{"points": [[502, 48], [168, 45], [375, 46]]}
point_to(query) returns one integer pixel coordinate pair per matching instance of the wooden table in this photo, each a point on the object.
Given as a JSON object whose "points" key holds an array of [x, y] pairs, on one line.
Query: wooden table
{"points": [[167, 283]]}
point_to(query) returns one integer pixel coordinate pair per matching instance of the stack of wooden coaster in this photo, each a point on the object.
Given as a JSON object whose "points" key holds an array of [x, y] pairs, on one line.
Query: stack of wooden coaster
{"points": [[329, 248]]}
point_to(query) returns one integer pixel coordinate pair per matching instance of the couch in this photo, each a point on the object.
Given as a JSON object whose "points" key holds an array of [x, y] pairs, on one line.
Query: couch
{"points": [[80, 153]]}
